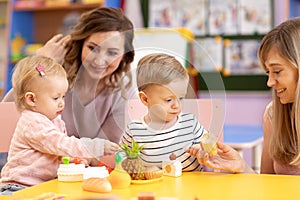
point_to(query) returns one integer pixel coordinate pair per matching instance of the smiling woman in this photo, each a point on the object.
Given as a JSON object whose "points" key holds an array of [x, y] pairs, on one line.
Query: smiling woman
{"points": [[279, 57], [96, 56], [97, 61], [283, 76]]}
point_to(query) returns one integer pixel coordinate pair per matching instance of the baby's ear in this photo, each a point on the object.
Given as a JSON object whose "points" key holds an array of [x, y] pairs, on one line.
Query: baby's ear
{"points": [[143, 97], [30, 98]]}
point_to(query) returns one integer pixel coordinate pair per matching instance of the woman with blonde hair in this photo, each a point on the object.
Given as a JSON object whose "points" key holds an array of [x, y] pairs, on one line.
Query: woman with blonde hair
{"points": [[279, 55]]}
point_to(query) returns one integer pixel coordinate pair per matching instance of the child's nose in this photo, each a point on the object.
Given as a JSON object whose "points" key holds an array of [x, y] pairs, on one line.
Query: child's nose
{"points": [[176, 103], [61, 104]]}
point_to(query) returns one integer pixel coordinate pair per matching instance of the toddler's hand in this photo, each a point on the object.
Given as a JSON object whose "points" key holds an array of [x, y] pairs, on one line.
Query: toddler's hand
{"points": [[193, 150], [110, 147]]}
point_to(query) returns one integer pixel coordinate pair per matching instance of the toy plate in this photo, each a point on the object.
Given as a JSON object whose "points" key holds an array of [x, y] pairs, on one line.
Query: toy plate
{"points": [[146, 181]]}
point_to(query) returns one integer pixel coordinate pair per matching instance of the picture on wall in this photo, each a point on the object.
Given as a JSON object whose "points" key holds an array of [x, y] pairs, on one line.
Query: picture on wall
{"points": [[179, 13], [255, 16], [162, 13], [223, 17], [208, 54], [192, 15], [241, 57]]}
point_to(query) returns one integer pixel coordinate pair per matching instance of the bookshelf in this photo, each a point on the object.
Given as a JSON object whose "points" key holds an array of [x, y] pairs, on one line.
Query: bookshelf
{"points": [[45, 20], [36, 24], [4, 43]]}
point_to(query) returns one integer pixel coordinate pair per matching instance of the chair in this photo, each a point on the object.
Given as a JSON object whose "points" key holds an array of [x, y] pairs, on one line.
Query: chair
{"points": [[209, 112], [242, 137], [9, 115]]}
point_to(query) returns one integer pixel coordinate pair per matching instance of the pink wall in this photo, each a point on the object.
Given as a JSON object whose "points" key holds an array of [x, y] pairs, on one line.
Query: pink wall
{"points": [[242, 107]]}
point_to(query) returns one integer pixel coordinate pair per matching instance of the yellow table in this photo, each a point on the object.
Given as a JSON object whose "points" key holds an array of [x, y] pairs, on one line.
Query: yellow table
{"points": [[203, 185]]}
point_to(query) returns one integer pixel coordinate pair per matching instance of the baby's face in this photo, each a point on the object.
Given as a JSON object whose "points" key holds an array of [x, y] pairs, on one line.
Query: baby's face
{"points": [[50, 98], [164, 102]]}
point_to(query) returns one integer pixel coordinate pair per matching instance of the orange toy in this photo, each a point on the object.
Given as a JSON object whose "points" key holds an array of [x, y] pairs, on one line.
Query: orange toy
{"points": [[119, 178]]}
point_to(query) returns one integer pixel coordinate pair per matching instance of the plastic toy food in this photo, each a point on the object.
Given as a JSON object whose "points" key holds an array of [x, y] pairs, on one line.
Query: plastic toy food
{"points": [[101, 185], [152, 172], [209, 144], [70, 172], [119, 178], [95, 180], [132, 163], [77, 160], [100, 164], [135, 167], [95, 172], [146, 196], [172, 167]]}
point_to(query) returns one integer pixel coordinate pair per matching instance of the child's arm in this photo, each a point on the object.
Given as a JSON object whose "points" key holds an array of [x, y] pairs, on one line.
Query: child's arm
{"points": [[49, 140]]}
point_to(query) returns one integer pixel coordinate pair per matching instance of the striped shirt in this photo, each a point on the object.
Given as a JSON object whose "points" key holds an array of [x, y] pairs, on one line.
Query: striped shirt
{"points": [[159, 144]]}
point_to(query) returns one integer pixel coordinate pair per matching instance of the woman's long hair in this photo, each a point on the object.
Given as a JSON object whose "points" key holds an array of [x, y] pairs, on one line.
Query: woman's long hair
{"points": [[102, 19], [284, 146]]}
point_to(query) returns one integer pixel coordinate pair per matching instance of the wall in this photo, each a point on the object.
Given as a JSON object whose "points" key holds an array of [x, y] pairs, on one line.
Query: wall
{"points": [[243, 108]]}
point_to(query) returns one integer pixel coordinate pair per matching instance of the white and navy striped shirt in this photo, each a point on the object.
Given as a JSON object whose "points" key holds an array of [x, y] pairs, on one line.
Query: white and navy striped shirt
{"points": [[159, 144]]}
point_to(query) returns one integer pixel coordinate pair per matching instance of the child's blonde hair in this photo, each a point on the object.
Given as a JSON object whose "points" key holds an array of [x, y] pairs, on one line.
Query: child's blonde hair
{"points": [[159, 68], [28, 76]]}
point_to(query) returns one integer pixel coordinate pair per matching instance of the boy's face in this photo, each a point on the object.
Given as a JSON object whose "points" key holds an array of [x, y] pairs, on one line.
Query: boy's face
{"points": [[164, 102]]}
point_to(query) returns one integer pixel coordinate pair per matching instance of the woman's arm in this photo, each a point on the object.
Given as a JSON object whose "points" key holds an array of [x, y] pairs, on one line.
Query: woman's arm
{"points": [[266, 161]]}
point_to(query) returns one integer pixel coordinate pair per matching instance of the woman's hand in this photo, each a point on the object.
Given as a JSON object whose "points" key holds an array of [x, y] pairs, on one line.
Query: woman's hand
{"points": [[55, 48], [226, 159]]}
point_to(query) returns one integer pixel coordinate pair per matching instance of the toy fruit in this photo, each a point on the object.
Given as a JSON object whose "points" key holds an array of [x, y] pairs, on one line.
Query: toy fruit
{"points": [[119, 178], [77, 160], [132, 163], [209, 144], [100, 164]]}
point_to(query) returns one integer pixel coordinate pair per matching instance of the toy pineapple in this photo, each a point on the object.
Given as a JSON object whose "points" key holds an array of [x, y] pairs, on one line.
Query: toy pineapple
{"points": [[132, 163]]}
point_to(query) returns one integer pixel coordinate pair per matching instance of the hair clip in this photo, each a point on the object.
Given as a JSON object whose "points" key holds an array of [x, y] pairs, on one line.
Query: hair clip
{"points": [[40, 70]]}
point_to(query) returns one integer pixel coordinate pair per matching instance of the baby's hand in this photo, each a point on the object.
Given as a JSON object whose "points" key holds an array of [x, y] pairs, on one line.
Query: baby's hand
{"points": [[193, 150], [110, 147]]}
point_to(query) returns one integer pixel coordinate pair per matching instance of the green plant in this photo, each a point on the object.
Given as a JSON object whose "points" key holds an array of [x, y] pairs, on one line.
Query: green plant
{"points": [[132, 163]]}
